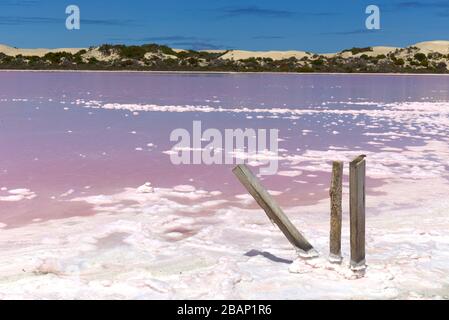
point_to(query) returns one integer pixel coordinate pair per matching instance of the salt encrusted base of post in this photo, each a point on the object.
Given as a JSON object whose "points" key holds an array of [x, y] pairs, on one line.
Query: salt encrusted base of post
{"points": [[274, 211], [336, 195], [357, 212]]}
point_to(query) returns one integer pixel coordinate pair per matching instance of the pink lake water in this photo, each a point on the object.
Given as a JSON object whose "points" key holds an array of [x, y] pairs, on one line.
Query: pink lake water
{"points": [[60, 138]]}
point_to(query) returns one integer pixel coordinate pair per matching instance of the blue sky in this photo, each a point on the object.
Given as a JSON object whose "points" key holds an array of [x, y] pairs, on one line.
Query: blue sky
{"points": [[318, 26]]}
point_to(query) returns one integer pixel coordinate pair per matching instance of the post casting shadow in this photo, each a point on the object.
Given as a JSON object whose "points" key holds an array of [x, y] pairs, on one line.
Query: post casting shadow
{"points": [[267, 255]]}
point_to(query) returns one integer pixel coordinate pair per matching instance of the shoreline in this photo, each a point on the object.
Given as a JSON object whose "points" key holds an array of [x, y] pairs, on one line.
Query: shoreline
{"points": [[226, 72]]}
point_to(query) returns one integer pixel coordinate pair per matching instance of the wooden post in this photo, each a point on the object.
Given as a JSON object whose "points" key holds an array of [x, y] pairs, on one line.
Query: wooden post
{"points": [[273, 211], [357, 212], [336, 195]]}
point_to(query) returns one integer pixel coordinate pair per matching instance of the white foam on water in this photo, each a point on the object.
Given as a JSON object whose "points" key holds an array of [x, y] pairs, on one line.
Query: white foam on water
{"points": [[422, 121]]}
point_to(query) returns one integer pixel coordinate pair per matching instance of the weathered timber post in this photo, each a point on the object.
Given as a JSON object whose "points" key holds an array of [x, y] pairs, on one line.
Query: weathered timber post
{"points": [[273, 211], [357, 211], [336, 195]]}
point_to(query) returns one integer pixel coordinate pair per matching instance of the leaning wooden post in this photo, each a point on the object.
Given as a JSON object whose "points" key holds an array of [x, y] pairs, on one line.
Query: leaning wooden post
{"points": [[273, 211], [336, 195], [357, 212]]}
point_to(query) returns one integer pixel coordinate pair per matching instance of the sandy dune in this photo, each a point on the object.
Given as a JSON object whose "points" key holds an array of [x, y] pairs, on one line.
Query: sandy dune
{"points": [[425, 47], [434, 46], [281, 55], [40, 52], [376, 51], [275, 55]]}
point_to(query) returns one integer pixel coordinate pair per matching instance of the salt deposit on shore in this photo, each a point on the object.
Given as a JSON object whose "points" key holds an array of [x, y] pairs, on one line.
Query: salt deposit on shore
{"points": [[151, 245]]}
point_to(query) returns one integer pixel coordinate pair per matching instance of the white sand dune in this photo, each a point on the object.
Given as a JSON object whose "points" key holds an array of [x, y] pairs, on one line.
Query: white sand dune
{"points": [[441, 46], [40, 52], [375, 52], [425, 47], [275, 55]]}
